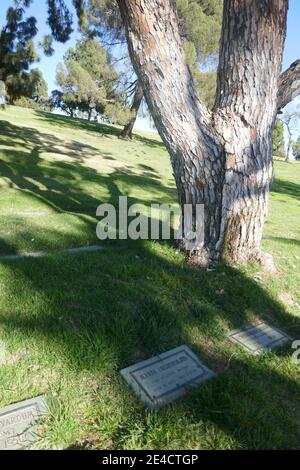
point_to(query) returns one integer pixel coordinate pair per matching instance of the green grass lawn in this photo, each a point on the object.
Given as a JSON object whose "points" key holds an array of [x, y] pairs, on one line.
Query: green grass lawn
{"points": [[70, 323]]}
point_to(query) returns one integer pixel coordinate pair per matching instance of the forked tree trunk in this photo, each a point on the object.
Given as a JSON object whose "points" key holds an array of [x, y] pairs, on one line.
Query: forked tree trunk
{"points": [[136, 103], [223, 158]]}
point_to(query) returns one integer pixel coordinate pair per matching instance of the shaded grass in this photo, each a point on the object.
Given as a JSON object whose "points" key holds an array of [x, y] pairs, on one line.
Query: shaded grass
{"points": [[83, 318], [70, 323]]}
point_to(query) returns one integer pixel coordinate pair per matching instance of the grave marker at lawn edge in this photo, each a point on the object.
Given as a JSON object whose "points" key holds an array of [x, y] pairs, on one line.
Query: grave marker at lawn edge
{"points": [[18, 423], [259, 338]]}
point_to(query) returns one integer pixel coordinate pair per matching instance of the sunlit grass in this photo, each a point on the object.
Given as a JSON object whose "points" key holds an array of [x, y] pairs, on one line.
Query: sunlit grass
{"points": [[70, 323]]}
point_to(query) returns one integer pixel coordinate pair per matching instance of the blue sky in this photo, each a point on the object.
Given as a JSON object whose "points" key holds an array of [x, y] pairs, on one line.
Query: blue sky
{"points": [[292, 46], [48, 64]]}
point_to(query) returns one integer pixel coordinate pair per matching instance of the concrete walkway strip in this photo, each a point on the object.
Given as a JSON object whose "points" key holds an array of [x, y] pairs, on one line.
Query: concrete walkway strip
{"points": [[42, 254]]}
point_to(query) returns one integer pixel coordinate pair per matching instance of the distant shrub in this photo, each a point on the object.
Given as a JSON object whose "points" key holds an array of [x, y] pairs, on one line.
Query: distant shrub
{"points": [[278, 140], [117, 114], [41, 104], [25, 102]]}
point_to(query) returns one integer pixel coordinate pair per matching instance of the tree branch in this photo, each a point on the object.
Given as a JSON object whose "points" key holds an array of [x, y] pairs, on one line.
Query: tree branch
{"points": [[158, 57], [289, 85]]}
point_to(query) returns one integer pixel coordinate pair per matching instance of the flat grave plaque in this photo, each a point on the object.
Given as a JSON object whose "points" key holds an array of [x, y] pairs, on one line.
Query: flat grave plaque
{"points": [[18, 422], [166, 377], [259, 338]]}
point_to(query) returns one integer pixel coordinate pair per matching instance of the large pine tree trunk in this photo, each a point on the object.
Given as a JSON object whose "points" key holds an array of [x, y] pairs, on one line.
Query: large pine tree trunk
{"points": [[252, 44], [222, 159], [136, 103]]}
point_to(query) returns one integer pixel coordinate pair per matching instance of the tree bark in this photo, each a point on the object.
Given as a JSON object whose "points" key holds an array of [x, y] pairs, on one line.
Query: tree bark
{"points": [[223, 158], [289, 85], [137, 100], [253, 38]]}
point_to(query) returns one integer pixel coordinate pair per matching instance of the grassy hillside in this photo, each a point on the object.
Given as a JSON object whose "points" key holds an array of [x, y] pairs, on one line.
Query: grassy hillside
{"points": [[59, 170], [70, 323]]}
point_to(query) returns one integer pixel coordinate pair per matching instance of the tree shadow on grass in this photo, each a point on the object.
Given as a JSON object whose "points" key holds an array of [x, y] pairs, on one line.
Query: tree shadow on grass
{"points": [[286, 187], [104, 311], [288, 241], [103, 129], [69, 186]]}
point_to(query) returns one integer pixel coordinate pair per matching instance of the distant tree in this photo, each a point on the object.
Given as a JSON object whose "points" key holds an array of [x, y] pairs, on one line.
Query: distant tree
{"points": [[59, 100], [296, 148], [35, 92], [39, 86], [117, 113], [138, 95], [105, 22], [79, 90], [290, 119], [40, 93], [93, 58], [88, 83], [278, 139], [200, 28]]}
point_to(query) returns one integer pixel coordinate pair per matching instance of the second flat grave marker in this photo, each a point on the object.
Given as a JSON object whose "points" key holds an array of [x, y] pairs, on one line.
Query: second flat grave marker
{"points": [[259, 338]]}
